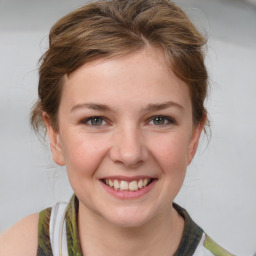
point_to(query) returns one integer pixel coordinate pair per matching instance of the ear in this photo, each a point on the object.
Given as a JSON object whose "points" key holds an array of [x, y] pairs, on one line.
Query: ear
{"points": [[54, 137], [197, 130]]}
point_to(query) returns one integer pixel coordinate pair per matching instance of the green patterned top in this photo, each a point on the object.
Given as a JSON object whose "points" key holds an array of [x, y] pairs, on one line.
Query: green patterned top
{"points": [[194, 241]]}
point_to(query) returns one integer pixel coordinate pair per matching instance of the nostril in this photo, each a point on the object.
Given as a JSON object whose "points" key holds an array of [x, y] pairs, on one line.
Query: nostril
{"points": [[128, 158]]}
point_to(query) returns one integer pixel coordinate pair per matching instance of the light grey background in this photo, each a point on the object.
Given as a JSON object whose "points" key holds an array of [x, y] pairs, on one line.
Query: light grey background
{"points": [[220, 189]]}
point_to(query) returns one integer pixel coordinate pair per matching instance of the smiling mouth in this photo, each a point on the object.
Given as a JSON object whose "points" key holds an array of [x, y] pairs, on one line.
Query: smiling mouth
{"points": [[123, 185]]}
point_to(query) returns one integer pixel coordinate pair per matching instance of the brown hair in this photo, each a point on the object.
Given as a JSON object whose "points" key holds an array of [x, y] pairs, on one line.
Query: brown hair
{"points": [[106, 29]]}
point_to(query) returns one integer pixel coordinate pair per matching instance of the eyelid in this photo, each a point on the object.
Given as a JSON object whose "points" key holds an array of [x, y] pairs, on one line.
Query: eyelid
{"points": [[86, 120], [168, 118]]}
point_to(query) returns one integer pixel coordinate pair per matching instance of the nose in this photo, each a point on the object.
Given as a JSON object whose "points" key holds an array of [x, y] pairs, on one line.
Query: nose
{"points": [[129, 147]]}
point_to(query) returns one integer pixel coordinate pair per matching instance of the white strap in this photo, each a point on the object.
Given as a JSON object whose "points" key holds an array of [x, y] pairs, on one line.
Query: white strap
{"points": [[57, 230]]}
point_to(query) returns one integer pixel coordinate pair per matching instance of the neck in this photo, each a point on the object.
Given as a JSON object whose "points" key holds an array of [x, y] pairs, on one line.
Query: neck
{"points": [[160, 236]]}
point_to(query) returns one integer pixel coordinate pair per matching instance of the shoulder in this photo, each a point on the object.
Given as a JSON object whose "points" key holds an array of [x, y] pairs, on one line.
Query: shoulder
{"points": [[207, 247], [196, 240], [21, 239]]}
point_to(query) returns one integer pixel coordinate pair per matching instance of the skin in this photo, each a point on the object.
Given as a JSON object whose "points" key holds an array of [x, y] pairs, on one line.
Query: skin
{"points": [[20, 239], [144, 129]]}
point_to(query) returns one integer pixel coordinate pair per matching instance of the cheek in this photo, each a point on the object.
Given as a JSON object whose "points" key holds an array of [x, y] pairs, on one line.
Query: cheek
{"points": [[83, 154], [171, 153]]}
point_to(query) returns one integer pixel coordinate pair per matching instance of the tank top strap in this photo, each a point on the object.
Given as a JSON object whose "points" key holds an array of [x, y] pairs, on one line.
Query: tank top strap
{"points": [[52, 238], [57, 229]]}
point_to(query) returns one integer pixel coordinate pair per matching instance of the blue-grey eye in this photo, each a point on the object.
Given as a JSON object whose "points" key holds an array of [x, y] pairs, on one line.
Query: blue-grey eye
{"points": [[96, 121], [159, 120]]}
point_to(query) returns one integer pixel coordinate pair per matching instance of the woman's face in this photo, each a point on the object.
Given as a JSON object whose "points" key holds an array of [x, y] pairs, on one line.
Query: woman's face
{"points": [[126, 136]]}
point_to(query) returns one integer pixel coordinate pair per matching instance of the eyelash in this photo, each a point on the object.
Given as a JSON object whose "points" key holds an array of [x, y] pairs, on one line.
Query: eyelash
{"points": [[90, 119], [167, 121]]}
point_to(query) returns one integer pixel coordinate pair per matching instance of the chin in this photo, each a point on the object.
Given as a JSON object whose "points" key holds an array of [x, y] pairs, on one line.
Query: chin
{"points": [[129, 217]]}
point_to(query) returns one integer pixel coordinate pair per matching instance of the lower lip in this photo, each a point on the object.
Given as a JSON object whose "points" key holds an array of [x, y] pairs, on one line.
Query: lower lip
{"points": [[129, 194]]}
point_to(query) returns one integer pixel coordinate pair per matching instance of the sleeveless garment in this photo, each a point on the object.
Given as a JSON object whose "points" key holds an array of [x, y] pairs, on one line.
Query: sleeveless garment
{"points": [[58, 234]]}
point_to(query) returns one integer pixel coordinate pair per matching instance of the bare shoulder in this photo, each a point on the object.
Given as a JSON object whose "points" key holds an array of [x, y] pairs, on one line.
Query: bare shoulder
{"points": [[21, 239]]}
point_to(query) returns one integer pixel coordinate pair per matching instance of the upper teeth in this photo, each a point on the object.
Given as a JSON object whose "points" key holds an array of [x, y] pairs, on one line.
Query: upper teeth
{"points": [[125, 185]]}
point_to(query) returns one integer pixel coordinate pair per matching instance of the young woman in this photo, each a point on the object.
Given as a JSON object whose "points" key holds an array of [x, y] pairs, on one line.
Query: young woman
{"points": [[121, 94]]}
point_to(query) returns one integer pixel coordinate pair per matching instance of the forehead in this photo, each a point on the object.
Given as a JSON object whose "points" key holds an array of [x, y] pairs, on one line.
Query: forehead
{"points": [[140, 77]]}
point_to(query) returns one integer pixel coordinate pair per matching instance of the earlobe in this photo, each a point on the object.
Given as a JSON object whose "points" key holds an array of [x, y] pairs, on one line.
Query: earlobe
{"points": [[195, 140], [54, 138]]}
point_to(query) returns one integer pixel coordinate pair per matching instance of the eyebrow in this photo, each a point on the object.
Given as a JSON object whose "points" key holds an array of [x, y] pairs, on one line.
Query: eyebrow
{"points": [[156, 107], [149, 108], [98, 107]]}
